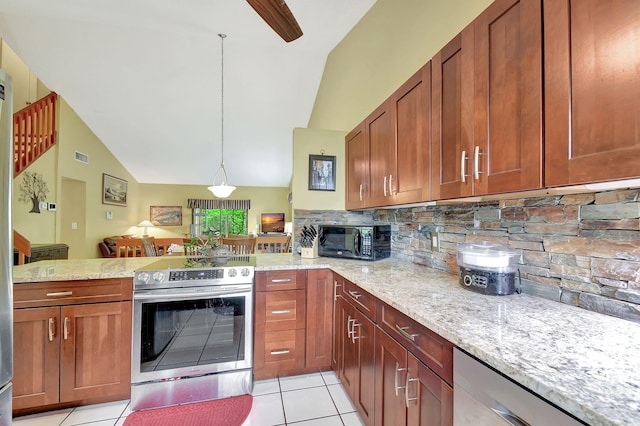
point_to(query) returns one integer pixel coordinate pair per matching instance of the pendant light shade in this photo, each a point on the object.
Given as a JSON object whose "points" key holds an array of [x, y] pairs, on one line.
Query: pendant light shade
{"points": [[220, 187]]}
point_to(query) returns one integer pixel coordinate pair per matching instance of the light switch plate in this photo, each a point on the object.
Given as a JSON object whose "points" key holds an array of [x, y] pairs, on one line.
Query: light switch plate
{"points": [[435, 241]]}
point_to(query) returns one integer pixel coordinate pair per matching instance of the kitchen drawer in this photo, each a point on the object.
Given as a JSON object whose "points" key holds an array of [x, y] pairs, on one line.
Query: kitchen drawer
{"points": [[359, 298], [290, 279], [429, 347], [52, 293], [280, 310], [278, 351]]}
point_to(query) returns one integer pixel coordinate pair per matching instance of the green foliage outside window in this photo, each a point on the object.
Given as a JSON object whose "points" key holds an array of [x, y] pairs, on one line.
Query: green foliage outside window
{"points": [[223, 221]]}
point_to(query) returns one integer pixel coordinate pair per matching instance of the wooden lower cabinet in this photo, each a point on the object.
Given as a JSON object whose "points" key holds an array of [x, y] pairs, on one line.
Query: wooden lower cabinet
{"points": [[68, 352], [407, 391], [293, 320], [399, 376], [356, 368]]}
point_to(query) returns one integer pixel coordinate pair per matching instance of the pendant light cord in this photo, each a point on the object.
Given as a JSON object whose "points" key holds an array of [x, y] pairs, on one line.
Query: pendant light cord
{"points": [[222, 37]]}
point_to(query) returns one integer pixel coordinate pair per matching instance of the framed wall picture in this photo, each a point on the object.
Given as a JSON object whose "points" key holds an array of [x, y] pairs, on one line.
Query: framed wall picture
{"points": [[166, 215], [322, 173], [114, 190]]}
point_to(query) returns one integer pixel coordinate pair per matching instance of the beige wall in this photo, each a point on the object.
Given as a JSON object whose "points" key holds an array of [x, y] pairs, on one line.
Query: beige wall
{"points": [[263, 200], [314, 141]]}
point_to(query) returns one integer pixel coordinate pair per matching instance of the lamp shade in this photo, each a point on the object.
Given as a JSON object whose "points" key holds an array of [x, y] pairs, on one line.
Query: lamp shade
{"points": [[145, 224]]}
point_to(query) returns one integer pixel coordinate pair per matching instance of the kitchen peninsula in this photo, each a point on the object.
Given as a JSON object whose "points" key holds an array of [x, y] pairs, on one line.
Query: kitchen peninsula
{"points": [[583, 362]]}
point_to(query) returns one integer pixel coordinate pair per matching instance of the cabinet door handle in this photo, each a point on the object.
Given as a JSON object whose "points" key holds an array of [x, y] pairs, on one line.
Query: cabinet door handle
{"points": [[349, 327], [51, 333], [282, 352], [395, 381], [476, 163], [281, 280], [360, 192], [353, 333], [60, 293], [66, 328], [405, 334], [284, 311], [335, 290], [390, 185], [384, 186], [355, 294], [463, 174], [407, 400]]}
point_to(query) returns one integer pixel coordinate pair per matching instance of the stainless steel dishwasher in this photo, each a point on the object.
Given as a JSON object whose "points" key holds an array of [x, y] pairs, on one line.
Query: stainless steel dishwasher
{"points": [[484, 397]]}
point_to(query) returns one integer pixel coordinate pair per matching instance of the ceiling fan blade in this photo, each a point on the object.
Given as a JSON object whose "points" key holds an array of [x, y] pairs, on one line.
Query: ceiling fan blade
{"points": [[277, 14]]}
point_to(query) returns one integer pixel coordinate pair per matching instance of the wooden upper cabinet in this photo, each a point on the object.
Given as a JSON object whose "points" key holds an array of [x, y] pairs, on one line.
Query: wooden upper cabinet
{"points": [[507, 141], [592, 87], [452, 117], [357, 173], [379, 128], [411, 108]]}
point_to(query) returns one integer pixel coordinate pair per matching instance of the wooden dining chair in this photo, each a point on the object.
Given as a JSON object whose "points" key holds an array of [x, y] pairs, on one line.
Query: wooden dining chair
{"points": [[240, 244], [273, 244], [149, 245], [129, 247]]}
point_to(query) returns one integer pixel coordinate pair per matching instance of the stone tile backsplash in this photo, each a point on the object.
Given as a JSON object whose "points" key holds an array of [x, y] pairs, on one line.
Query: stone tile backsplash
{"points": [[581, 249]]}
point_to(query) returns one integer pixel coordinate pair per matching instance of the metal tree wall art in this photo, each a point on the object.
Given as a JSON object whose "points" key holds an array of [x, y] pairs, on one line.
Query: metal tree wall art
{"points": [[33, 188]]}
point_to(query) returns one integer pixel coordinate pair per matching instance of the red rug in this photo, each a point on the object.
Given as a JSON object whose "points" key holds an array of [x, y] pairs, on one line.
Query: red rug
{"points": [[220, 412]]}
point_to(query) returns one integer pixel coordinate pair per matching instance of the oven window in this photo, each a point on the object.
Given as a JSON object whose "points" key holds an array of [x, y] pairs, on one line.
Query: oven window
{"points": [[190, 333]]}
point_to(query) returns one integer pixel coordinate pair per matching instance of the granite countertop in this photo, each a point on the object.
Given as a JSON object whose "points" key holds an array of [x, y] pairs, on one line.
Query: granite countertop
{"points": [[584, 362]]}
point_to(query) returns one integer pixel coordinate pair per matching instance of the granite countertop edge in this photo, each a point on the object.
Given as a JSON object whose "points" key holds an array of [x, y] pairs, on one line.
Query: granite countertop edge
{"points": [[584, 362]]}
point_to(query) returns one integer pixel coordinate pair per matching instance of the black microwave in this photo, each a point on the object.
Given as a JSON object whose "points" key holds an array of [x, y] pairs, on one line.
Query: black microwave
{"points": [[355, 242]]}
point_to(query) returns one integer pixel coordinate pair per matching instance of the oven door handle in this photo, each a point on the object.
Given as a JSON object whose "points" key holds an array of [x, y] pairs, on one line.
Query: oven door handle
{"points": [[189, 294]]}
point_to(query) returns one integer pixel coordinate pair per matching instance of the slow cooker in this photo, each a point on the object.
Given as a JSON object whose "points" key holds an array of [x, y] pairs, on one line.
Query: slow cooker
{"points": [[488, 268]]}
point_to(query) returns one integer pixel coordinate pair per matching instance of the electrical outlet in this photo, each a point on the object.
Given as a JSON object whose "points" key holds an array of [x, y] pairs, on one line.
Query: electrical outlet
{"points": [[435, 241]]}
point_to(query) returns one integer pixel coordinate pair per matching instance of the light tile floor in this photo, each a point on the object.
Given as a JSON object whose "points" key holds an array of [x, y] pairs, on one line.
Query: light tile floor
{"points": [[308, 400]]}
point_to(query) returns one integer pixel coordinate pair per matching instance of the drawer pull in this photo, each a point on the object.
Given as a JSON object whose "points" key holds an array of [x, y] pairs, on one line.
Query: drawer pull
{"points": [[403, 331], [395, 380], [407, 400], [60, 293], [285, 311], [355, 294], [51, 323], [281, 280], [282, 352], [66, 328]]}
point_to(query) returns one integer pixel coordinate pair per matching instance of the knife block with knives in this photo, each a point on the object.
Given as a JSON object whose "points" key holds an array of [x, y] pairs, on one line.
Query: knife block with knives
{"points": [[309, 242]]}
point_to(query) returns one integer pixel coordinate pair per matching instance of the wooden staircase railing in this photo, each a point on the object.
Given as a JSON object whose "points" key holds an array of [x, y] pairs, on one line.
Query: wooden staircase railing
{"points": [[34, 132], [22, 245]]}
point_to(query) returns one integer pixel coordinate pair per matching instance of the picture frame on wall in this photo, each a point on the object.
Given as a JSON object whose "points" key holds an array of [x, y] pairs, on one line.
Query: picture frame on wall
{"points": [[322, 172], [165, 215], [114, 190]]}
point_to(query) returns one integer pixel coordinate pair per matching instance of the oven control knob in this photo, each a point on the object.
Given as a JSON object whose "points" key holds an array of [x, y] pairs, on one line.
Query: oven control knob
{"points": [[158, 276], [245, 272], [233, 272], [143, 277]]}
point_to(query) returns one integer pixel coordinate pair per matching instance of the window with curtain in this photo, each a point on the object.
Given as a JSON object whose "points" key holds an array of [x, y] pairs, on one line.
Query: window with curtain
{"points": [[219, 217]]}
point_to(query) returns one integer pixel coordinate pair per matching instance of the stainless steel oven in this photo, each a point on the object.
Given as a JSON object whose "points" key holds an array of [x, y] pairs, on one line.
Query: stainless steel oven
{"points": [[192, 331]]}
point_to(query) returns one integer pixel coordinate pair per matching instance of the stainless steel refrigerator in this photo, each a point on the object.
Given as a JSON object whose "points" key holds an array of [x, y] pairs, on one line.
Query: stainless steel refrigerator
{"points": [[6, 249]]}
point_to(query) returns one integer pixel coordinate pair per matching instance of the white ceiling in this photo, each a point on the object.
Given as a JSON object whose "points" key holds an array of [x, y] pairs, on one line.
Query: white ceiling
{"points": [[144, 75]]}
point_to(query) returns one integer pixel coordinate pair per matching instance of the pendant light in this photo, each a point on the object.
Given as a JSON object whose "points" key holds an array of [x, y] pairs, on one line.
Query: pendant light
{"points": [[222, 189]]}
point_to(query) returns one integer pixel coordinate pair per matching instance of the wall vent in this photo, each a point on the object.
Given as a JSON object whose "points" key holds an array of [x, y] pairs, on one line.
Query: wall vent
{"points": [[83, 158]]}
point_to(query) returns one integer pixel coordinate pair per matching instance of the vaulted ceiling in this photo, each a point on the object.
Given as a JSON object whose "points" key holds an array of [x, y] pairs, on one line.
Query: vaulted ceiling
{"points": [[145, 76]]}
